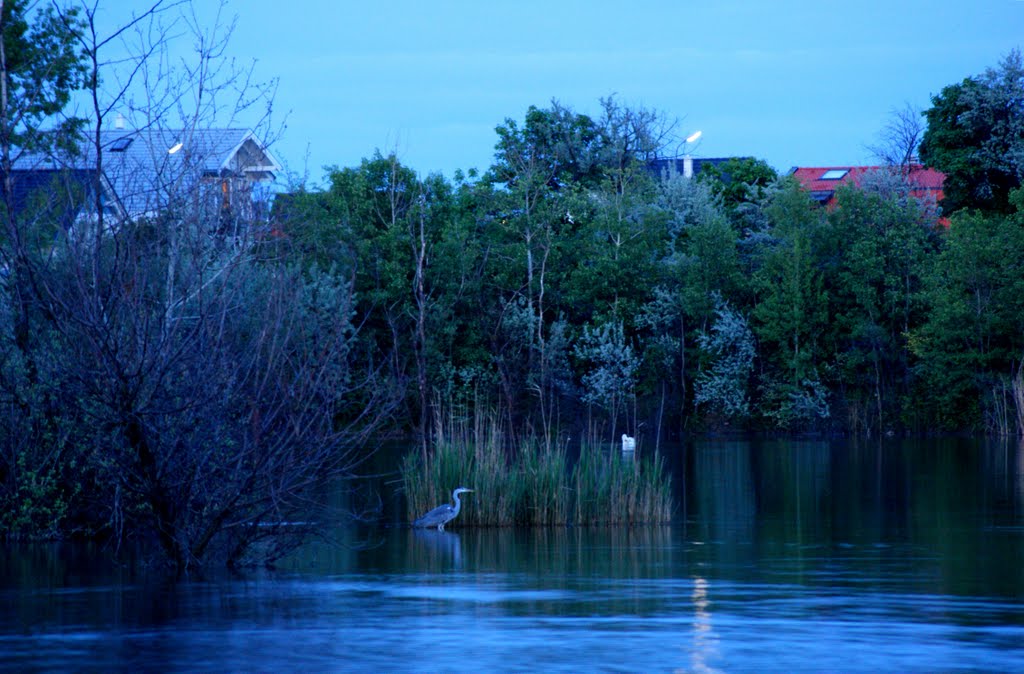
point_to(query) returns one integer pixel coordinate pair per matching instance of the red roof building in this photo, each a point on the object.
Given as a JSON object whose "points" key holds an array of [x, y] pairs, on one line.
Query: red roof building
{"points": [[822, 182]]}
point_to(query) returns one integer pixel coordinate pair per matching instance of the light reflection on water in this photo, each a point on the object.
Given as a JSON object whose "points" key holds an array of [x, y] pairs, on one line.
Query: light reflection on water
{"points": [[822, 559], [837, 618]]}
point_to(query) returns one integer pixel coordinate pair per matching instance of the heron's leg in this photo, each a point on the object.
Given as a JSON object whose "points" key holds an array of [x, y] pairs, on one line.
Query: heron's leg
{"points": [[440, 527]]}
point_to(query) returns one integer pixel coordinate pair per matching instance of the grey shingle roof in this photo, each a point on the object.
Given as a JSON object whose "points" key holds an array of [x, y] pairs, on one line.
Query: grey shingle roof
{"points": [[146, 168]]}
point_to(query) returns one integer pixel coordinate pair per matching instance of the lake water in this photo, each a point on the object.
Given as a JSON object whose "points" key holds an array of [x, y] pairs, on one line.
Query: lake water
{"points": [[785, 556]]}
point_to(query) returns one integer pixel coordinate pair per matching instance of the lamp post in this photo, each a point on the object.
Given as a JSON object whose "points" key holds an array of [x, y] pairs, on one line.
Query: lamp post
{"points": [[687, 159]]}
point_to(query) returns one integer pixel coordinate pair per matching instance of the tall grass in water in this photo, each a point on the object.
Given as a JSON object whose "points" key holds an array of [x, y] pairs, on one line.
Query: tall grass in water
{"points": [[614, 488], [523, 484], [528, 482]]}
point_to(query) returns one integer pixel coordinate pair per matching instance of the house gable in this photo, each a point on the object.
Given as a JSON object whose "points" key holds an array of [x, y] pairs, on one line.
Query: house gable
{"points": [[146, 168]]}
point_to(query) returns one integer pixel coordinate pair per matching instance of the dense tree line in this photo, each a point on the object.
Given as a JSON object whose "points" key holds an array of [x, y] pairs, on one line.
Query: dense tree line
{"points": [[571, 285]]}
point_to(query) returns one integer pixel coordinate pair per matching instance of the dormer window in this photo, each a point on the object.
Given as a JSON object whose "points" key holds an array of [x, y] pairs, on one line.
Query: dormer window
{"points": [[121, 144], [834, 174]]}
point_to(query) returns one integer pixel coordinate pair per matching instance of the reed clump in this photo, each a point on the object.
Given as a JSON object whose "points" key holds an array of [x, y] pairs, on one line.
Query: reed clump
{"points": [[529, 483], [613, 488]]}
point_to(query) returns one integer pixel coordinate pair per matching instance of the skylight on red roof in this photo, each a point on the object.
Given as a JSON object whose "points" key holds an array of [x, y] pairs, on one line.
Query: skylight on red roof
{"points": [[834, 174]]}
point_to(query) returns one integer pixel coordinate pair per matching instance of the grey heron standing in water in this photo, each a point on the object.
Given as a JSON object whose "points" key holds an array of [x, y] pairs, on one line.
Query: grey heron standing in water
{"points": [[442, 514]]}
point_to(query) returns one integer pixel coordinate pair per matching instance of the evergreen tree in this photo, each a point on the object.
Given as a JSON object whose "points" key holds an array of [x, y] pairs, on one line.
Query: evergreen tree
{"points": [[792, 306]]}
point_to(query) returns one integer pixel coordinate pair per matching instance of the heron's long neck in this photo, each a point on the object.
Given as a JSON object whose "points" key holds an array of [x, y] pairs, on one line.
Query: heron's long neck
{"points": [[458, 504]]}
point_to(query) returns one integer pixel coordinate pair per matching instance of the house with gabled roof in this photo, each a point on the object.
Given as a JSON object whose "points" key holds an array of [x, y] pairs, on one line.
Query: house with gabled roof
{"points": [[823, 181], [144, 172]]}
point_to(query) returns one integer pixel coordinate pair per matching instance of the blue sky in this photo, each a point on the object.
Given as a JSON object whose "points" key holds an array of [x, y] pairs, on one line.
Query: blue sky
{"points": [[791, 82]]}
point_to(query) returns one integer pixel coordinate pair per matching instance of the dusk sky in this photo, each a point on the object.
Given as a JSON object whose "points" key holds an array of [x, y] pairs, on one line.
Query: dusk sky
{"points": [[791, 82]]}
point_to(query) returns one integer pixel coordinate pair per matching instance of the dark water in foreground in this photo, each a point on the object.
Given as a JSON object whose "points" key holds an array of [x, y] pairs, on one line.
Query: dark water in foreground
{"points": [[785, 557]]}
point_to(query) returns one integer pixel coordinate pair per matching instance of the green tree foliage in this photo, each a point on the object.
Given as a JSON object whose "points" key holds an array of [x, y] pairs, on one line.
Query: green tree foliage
{"points": [[879, 247], [41, 65], [700, 263], [610, 364], [569, 230], [571, 233], [729, 349], [554, 147], [619, 242], [972, 343], [741, 183], [40, 68], [792, 306], [405, 244], [975, 136]]}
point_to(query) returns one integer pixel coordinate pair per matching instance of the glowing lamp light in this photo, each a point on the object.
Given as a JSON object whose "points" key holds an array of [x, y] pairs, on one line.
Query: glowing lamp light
{"points": [[174, 148]]}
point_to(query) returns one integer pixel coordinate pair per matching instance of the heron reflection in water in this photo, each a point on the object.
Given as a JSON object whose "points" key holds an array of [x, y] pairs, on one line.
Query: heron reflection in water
{"points": [[442, 514]]}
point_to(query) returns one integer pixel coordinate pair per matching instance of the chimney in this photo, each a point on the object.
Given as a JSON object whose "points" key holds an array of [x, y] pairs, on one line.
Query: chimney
{"points": [[119, 121]]}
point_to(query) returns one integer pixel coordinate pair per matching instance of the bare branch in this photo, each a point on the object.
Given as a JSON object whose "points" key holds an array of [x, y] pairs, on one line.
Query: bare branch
{"points": [[898, 140]]}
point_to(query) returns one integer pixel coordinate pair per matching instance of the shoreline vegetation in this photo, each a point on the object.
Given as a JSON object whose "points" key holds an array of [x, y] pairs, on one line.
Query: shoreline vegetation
{"points": [[530, 482], [193, 373]]}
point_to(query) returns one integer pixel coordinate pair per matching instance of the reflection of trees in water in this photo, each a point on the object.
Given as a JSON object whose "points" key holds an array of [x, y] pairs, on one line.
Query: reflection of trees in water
{"points": [[760, 497], [1019, 483], [725, 506], [794, 498], [1004, 467], [606, 551], [586, 562]]}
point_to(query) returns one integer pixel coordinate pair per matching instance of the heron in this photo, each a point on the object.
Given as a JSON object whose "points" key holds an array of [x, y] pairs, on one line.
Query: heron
{"points": [[628, 443], [442, 514]]}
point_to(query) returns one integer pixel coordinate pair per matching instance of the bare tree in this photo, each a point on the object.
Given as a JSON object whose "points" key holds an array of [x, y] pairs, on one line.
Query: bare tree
{"points": [[898, 141], [208, 393]]}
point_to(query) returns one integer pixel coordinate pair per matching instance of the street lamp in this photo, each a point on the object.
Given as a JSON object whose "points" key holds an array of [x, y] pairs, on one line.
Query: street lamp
{"points": [[687, 159]]}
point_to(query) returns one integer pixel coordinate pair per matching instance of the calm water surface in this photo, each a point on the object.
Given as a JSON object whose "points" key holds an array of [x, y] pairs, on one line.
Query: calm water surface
{"points": [[805, 556]]}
